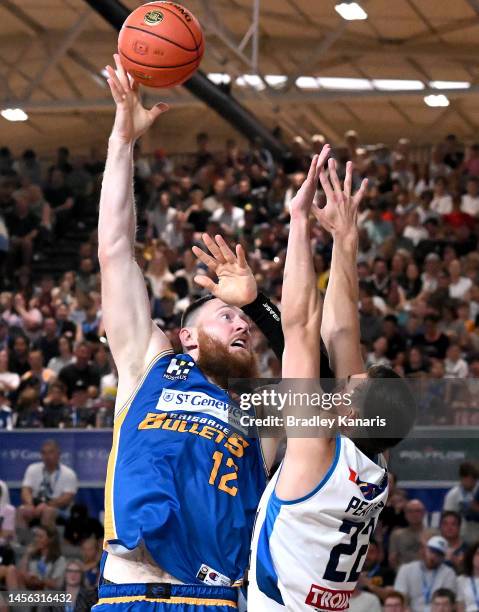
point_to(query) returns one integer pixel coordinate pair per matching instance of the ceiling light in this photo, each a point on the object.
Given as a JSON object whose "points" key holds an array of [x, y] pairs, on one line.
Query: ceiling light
{"points": [[306, 82], [276, 80], [450, 84], [345, 83], [250, 80], [436, 100], [397, 84], [351, 11], [14, 114], [219, 78]]}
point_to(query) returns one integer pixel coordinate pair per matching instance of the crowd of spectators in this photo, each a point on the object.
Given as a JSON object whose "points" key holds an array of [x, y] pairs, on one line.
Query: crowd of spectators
{"points": [[49, 542], [418, 264]]}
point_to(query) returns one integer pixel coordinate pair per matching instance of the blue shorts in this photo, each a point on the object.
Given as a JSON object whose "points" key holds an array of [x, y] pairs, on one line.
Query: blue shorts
{"points": [[165, 598]]}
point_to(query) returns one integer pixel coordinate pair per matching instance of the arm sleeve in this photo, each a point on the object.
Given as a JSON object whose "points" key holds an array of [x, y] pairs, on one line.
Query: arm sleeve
{"points": [[268, 319], [28, 479]]}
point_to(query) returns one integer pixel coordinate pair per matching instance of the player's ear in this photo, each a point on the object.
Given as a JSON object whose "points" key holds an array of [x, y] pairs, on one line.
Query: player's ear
{"points": [[189, 338]]}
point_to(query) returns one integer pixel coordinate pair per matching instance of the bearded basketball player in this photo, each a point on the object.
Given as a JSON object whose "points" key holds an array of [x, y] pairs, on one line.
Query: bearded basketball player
{"points": [[183, 480]]}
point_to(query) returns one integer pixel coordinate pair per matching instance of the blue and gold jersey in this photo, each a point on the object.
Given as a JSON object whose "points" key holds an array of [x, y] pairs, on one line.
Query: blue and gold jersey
{"points": [[183, 477]]}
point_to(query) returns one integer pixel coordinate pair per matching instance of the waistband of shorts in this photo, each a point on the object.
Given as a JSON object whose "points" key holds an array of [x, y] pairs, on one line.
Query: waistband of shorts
{"points": [[167, 591]]}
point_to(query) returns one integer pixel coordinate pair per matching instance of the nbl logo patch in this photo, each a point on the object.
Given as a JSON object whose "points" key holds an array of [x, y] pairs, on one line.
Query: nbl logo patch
{"points": [[328, 600], [178, 369]]}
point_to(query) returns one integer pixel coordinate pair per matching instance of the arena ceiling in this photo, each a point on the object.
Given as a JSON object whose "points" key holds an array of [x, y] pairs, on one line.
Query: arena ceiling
{"points": [[52, 53]]}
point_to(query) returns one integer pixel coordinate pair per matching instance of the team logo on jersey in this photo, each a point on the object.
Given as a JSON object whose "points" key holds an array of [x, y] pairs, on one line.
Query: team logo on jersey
{"points": [[178, 369], [328, 600], [368, 489]]}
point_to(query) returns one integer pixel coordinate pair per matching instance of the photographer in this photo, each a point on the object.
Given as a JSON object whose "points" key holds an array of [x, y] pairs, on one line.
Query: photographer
{"points": [[48, 488]]}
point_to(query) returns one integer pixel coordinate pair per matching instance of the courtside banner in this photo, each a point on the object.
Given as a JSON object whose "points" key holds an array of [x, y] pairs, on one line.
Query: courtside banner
{"points": [[86, 451]]}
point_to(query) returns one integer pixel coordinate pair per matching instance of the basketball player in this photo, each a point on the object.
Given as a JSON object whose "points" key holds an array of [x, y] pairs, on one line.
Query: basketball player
{"points": [[183, 481], [320, 510]]}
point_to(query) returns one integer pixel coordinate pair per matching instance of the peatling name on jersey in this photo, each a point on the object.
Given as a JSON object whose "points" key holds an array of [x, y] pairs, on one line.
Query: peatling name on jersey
{"points": [[327, 600], [361, 507]]}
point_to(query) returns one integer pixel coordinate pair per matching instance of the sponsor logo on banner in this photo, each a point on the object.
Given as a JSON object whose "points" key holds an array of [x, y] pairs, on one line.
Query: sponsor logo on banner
{"points": [[328, 600]]}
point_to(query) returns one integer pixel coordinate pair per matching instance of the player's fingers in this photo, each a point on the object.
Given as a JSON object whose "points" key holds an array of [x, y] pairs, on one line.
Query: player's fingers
{"points": [[205, 258], [114, 77], [158, 109], [323, 156], [117, 97], [122, 75], [360, 192], [325, 184], [213, 248], [333, 175], [227, 253], [348, 179], [240, 254], [205, 282]]}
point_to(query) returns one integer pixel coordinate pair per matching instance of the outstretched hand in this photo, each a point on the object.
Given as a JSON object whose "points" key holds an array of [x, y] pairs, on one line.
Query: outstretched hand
{"points": [[300, 205], [236, 284], [132, 119], [340, 215]]}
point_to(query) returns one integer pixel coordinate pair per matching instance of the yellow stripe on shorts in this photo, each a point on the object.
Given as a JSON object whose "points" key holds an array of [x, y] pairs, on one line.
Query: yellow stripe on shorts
{"points": [[192, 601]]}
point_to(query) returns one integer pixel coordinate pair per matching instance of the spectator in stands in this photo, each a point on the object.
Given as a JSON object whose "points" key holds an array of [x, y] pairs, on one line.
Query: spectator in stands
{"points": [[7, 520], [60, 198], [442, 201], [6, 415], [81, 370], [55, 405], [450, 529], [73, 581], [48, 341], [418, 580], [229, 216], [432, 341], [395, 602], [18, 357], [443, 600], [10, 380], [37, 376], [459, 285], [468, 583], [454, 365], [460, 498], [405, 543], [48, 487], [64, 357], [376, 577], [23, 228], [42, 565], [91, 555], [363, 601]]}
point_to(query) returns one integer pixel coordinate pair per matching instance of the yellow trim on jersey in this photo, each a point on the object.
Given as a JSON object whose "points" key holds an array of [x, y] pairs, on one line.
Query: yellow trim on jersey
{"points": [[142, 379], [109, 520], [192, 601]]}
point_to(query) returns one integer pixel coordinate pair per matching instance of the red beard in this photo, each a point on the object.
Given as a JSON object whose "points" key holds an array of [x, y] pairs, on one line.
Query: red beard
{"points": [[219, 363]]}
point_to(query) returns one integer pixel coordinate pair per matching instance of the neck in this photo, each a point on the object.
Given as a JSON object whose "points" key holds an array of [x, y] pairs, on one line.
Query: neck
{"points": [[51, 468]]}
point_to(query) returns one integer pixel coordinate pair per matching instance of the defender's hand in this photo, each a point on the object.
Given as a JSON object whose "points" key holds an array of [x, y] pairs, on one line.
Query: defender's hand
{"points": [[300, 205], [132, 119], [236, 284], [340, 215]]}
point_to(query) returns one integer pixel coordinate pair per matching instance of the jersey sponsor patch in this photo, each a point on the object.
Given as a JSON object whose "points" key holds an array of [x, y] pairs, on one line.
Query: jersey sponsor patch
{"points": [[195, 401], [178, 369], [210, 576], [328, 600]]}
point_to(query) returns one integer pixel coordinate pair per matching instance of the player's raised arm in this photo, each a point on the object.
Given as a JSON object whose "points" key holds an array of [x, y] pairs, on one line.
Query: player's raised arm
{"points": [[340, 326], [306, 459], [132, 335]]}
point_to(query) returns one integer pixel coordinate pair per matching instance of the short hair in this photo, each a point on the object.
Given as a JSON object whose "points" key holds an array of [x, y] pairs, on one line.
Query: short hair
{"points": [[454, 514], [445, 593], [187, 317], [51, 442], [467, 469], [385, 395], [396, 595]]}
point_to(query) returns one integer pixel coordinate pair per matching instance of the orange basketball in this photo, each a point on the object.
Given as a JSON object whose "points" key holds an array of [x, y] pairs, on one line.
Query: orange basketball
{"points": [[161, 44]]}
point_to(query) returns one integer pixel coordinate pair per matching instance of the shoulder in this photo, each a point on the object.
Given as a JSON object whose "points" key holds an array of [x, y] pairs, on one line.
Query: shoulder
{"points": [[66, 470], [34, 468]]}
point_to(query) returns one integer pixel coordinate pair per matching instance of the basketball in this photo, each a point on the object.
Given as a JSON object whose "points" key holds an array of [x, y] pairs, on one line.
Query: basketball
{"points": [[161, 44]]}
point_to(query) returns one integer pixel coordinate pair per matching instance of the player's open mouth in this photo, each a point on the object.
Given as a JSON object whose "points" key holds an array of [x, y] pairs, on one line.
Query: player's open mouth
{"points": [[239, 343]]}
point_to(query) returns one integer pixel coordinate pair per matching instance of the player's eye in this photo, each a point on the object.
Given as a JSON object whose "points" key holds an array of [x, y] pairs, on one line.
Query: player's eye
{"points": [[226, 316]]}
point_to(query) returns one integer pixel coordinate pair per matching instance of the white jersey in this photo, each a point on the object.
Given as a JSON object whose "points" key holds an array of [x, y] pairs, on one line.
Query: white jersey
{"points": [[307, 554]]}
